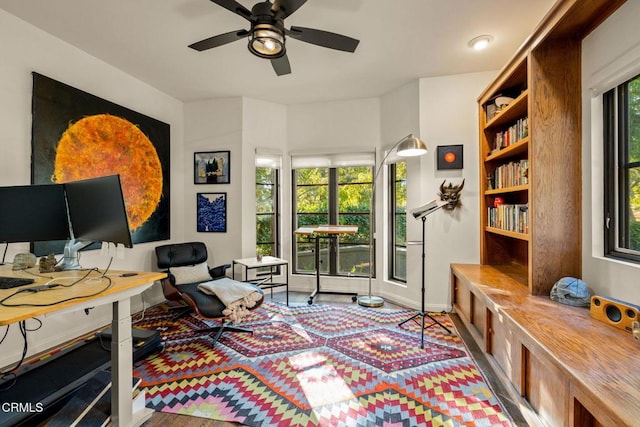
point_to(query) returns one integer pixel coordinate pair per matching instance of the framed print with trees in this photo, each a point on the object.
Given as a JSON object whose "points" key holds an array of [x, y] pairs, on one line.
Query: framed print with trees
{"points": [[212, 167]]}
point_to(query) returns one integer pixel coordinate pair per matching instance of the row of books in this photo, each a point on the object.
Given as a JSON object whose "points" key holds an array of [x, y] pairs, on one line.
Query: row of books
{"points": [[511, 135], [511, 174], [510, 217]]}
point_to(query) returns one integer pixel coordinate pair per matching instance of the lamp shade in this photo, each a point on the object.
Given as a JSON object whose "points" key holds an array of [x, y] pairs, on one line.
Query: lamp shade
{"points": [[411, 146]]}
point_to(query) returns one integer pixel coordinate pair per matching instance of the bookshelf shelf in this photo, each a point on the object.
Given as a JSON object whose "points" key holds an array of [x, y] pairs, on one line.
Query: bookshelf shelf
{"points": [[511, 234], [520, 147], [514, 189], [512, 112]]}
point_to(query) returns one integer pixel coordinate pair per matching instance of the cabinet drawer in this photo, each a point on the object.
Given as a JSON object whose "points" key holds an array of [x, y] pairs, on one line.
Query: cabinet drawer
{"points": [[461, 298], [505, 348], [546, 389]]}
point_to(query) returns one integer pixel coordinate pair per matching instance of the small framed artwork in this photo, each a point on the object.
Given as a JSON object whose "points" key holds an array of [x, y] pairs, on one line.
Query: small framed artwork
{"points": [[212, 212], [449, 156], [211, 167]]}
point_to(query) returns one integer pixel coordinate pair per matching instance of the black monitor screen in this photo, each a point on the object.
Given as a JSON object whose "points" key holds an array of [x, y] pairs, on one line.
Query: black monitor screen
{"points": [[33, 213], [97, 210]]}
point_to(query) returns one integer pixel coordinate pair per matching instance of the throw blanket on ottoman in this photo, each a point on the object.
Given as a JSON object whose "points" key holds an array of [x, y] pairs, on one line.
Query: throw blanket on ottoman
{"points": [[238, 297]]}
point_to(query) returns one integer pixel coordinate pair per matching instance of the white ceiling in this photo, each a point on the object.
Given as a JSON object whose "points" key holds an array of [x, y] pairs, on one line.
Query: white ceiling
{"points": [[400, 41]]}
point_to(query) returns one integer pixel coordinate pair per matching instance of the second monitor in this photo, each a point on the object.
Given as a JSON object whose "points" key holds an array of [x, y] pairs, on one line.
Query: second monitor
{"points": [[97, 213]]}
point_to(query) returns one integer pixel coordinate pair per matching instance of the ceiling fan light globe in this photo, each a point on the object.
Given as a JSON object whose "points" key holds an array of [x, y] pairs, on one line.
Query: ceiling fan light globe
{"points": [[270, 45], [266, 42]]}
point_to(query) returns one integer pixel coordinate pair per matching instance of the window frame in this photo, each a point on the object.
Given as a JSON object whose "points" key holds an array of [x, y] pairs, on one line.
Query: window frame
{"points": [[616, 195], [276, 244], [333, 214], [393, 223]]}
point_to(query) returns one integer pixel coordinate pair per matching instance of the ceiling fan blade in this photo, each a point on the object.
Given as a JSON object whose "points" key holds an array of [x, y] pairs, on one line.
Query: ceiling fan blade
{"points": [[234, 7], [287, 7], [324, 38], [281, 65], [219, 40]]}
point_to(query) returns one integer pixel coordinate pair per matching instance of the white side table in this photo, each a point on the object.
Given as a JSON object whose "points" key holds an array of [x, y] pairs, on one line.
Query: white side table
{"points": [[267, 282]]}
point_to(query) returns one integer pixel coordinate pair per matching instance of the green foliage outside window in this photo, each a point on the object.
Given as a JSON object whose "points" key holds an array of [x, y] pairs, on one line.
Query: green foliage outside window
{"points": [[354, 201], [398, 270], [266, 211], [634, 161], [352, 187]]}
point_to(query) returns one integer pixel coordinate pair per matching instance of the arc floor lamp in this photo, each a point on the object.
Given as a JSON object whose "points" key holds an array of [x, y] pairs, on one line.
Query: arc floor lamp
{"points": [[409, 146]]}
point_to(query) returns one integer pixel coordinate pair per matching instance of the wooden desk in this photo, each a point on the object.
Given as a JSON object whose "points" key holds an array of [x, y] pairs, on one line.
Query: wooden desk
{"points": [[326, 232], [118, 294]]}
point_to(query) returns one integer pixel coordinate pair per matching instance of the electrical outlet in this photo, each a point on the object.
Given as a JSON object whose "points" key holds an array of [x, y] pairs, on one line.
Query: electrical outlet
{"points": [[636, 330]]}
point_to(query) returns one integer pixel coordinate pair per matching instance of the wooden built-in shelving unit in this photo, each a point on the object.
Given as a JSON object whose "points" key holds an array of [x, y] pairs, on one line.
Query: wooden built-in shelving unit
{"points": [[504, 301]]}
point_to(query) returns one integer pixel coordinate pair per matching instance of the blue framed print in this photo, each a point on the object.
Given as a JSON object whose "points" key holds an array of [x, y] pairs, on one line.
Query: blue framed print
{"points": [[212, 212]]}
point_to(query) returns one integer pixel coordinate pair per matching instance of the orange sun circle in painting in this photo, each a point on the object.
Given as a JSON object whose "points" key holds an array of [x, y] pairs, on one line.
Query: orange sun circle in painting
{"points": [[102, 145], [449, 157]]}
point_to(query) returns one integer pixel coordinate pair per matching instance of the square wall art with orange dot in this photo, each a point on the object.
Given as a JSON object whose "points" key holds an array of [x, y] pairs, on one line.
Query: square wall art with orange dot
{"points": [[449, 156]]}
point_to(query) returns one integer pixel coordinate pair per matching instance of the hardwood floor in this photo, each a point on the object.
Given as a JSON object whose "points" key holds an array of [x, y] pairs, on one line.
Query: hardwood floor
{"points": [[159, 419]]}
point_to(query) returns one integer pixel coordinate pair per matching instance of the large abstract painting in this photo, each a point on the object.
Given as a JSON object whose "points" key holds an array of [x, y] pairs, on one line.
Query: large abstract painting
{"points": [[76, 135]]}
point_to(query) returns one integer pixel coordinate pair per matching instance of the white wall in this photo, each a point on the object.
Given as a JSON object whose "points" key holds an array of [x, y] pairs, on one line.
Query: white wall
{"points": [[612, 50], [25, 49], [400, 116], [329, 126], [448, 116], [441, 111], [214, 125], [264, 127]]}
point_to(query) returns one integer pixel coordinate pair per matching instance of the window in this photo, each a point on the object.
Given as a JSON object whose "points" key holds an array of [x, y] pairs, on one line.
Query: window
{"points": [[398, 221], [622, 177], [333, 195], [268, 205]]}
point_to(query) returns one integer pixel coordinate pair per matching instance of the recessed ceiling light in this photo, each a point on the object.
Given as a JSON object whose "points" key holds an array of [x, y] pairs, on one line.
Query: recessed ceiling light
{"points": [[480, 42]]}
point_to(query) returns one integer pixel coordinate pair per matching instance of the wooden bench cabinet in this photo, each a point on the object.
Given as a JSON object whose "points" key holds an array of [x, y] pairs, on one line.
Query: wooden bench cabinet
{"points": [[562, 366]]}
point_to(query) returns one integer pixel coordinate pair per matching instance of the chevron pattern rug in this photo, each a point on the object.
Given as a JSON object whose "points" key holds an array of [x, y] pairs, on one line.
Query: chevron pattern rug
{"points": [[319, 365]]}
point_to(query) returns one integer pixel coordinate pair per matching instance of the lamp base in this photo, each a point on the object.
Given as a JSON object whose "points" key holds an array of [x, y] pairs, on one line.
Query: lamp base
{"points": [[370, 301]]}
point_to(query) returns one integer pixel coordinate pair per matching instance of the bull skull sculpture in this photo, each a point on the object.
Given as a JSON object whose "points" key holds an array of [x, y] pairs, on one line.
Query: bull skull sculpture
{"points": [[450, 194]]}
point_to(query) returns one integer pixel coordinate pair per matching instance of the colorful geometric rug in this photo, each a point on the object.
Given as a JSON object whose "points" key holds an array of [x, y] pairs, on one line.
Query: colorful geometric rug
{"points": [[319, 365]]}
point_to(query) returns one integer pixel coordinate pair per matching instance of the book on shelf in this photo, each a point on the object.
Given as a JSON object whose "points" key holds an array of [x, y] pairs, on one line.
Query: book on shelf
{"points": [[490, 111], [509, 217], [514, 133], [511, 174]]}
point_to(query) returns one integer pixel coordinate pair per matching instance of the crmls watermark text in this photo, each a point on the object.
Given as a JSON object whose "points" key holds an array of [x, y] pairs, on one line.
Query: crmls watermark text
{"points": [[21, 407]]}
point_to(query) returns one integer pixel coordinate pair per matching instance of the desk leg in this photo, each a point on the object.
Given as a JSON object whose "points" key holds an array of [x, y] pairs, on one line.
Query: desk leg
{"points": [[122, 368], [121, 364], [317, 259], [354, 295], [286, 278]]}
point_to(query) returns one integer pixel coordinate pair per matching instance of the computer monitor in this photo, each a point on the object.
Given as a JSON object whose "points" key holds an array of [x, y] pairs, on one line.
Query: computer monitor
{"points": [[97, 213], [33, 213]]}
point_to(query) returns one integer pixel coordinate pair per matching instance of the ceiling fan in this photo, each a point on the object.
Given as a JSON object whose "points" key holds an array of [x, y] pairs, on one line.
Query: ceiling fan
{"points": [[267, 32]]}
